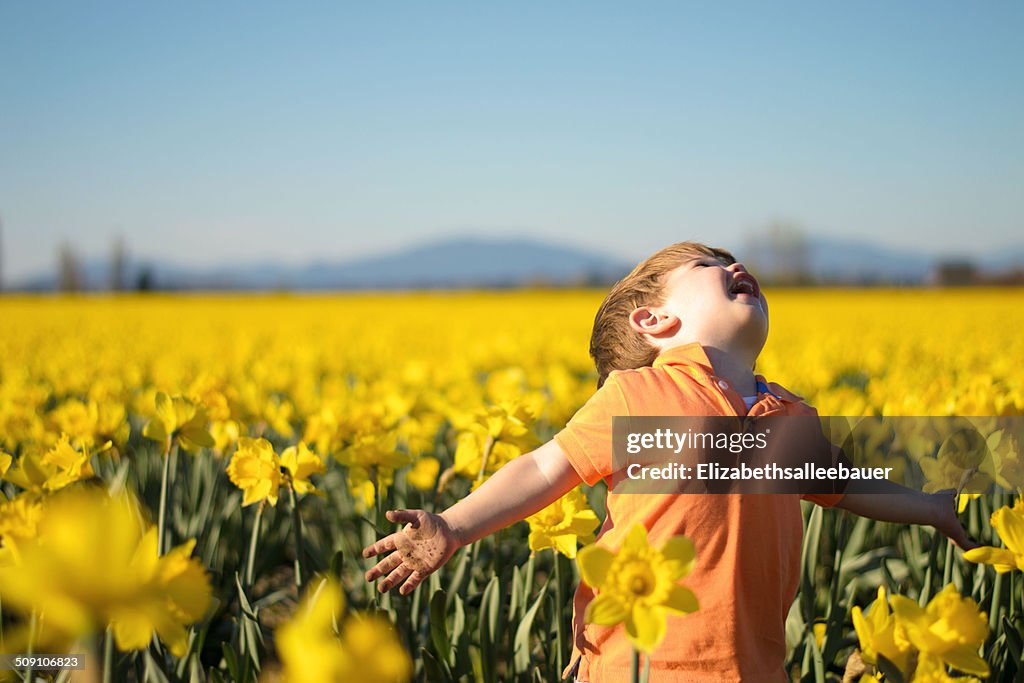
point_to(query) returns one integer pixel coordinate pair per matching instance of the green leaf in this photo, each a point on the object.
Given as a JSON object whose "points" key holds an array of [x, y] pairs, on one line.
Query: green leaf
{"points": [[230, 660], [434, 670], [1013, 639], [516, 599], [488, 622], [337, 565], [809, 564], [243, 602], [521, 643], [439, 625]]}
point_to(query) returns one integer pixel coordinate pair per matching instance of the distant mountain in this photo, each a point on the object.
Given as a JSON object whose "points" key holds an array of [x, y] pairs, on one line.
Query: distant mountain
{"points": [[448, 263], [855, 262], [852, 261], [461, 262]]}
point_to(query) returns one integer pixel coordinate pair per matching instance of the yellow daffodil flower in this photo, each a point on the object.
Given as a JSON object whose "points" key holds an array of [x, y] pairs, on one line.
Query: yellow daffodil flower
{"points": [[563, 524], [366, 649], [302, 463], [963, 500], [19, 521], [1009, 524], [423, 473], [182, 419], [876, 631], [256, 469], [51, 470], [637, 585], [498, 435], [173, 591], [90, 565], [950, 628], [5, 463], [933, 670]]}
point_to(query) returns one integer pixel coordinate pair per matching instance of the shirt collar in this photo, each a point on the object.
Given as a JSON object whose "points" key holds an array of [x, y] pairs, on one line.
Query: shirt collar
{"points": [[685, 354], [693, 354]]}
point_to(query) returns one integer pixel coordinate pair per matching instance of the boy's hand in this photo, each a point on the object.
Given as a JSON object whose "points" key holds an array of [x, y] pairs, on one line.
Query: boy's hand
{"points": [[417, 551], [947, 521]]}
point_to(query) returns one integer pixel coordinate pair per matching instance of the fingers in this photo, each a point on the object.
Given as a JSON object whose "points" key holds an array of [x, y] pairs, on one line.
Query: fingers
{"points": [[384, 545], [405, 517], [415, 579], [394, 578], [384, 566]]}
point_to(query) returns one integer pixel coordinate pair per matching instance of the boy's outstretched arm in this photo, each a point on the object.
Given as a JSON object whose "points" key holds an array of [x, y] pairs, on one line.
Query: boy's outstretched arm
{"points": [[529, 483], [906, 506]]}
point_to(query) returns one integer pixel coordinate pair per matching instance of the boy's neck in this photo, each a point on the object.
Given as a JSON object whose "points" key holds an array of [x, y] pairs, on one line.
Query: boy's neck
{"points": [[733, 367]]}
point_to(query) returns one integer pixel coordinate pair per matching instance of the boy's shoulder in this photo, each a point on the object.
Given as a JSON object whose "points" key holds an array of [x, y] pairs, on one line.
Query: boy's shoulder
{"points": [[654, 386], [649, 384]]}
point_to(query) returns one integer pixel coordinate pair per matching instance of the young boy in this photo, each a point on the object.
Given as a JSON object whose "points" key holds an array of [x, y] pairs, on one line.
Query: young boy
{"points": [[677, 336]]}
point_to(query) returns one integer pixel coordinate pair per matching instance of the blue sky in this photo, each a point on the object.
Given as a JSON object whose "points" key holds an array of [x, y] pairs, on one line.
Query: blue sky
{"points": [[210, 132]]}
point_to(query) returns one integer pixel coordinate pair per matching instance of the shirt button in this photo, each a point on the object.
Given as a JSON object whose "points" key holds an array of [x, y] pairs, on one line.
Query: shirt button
{"points": [[723, 384]]}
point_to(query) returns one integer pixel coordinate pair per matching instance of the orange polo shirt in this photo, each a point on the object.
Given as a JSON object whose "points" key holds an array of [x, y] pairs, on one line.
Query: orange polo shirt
{"points": [[748, 546]]}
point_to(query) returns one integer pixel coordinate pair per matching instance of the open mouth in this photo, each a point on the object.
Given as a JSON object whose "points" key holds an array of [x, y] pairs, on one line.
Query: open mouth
{"points": [[744, 284]]}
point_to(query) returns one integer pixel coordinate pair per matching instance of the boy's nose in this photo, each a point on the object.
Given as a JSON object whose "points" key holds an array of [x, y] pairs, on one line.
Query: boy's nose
{"points": [[737, 267]]}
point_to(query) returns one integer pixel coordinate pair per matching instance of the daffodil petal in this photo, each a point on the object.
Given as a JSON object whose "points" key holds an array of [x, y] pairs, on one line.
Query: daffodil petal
{"points": [[645, 627], [636, 539], [962, 659], [605, 610], [1010, 525], [681, 599], [566, 545], [594, 562], [1002, 559], [679, 549]]}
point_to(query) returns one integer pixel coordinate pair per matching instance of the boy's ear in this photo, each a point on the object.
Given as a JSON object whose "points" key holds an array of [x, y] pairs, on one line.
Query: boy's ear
{"points": [[652, 321]]}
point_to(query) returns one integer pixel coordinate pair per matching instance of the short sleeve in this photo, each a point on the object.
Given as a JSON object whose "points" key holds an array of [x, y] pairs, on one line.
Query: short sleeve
{"points": [[587, 438], [825, 500]]}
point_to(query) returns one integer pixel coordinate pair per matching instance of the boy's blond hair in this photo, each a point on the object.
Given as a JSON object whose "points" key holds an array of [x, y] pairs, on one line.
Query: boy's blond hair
{"points": [[614, 344]]}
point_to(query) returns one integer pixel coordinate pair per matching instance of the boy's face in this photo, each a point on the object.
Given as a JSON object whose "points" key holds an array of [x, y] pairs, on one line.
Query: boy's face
{"points": [[717, 304]]}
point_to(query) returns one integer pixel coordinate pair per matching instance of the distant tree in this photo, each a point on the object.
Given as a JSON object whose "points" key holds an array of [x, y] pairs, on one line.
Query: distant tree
{"points": [[69, 269], [144, 282], [118, 261], [956, 273], [779, 255]]}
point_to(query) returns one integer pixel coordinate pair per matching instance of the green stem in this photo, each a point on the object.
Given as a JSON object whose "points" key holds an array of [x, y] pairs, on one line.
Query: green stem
{"points": [[947, 570], [108, 656], [559, 615], [32, 623], [1013, 594], [378, 521], [297, 528], [378, 504], [996, 605], [529, 584], [634, 666], [164, 493], [251, 563]]}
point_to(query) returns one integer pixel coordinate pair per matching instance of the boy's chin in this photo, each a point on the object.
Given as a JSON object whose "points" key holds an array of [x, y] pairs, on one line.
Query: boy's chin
{"points": [[754, 328]]}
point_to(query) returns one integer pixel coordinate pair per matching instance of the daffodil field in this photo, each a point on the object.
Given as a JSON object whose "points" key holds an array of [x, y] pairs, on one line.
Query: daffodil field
{"points": [[186, 483]]}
